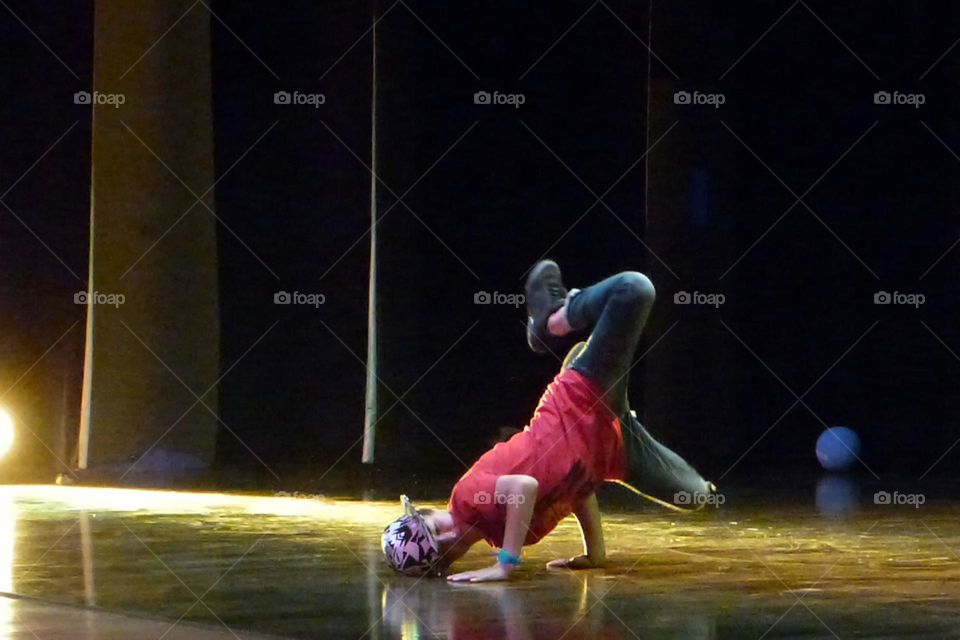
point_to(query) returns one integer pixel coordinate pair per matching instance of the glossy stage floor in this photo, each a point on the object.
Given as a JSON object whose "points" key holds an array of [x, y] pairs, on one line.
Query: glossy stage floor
{"points": [[108, 563]]}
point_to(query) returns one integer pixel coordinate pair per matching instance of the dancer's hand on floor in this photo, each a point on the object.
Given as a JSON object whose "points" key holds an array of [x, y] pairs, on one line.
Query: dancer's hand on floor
{"points": [[578, 562], [490, 574]]}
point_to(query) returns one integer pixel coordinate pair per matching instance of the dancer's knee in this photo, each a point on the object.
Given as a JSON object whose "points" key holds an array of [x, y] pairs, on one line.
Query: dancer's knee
{"points": [[635, 287]]}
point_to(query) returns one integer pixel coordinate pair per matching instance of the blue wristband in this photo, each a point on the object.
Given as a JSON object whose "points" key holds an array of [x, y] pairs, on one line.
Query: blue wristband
{"points": [[504, 557]]}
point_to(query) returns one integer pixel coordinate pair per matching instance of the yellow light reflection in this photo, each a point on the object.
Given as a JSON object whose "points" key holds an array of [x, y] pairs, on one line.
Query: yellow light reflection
{"points": [[183, 502], [8, 523], [6, 432]]}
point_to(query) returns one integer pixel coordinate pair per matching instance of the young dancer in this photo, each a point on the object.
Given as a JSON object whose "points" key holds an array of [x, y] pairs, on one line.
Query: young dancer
{"points": [[582, 434]]}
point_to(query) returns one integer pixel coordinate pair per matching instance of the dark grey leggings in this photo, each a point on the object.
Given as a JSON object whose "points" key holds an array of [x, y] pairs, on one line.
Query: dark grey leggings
{"points": [[615, 311]]}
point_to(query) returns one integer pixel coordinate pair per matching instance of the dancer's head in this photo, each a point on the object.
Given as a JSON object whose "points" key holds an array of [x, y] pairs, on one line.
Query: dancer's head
{"points": [[420, 541]]}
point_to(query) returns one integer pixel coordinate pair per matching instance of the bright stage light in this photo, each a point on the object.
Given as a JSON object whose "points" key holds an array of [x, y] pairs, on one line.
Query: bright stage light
{"points": [[6, 432]]}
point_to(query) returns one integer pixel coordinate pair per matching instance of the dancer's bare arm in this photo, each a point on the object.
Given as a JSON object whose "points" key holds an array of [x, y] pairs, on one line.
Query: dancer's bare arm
{"points": [[591, 527], [519, 494]]}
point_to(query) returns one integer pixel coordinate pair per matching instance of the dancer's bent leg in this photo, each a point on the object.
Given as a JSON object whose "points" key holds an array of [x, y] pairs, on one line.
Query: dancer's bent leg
{"points": [[616, 310]]}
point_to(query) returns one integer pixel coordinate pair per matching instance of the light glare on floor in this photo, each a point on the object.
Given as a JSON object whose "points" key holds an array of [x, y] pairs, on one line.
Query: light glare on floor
{"points": [[186, 502]]}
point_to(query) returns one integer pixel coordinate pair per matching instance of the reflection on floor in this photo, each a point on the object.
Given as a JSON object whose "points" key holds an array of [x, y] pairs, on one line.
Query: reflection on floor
{"points": [[311, 568], [32, 620]]}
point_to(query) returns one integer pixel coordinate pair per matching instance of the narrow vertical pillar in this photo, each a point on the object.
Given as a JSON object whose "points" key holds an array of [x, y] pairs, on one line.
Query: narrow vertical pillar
{"points": [[371, 408], [153, 315]]}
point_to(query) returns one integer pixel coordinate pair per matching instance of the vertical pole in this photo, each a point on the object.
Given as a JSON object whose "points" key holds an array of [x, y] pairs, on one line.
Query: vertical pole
{"points": [[646, 145], [370, 414], [86, 393], [169, 317], [86, 389]]}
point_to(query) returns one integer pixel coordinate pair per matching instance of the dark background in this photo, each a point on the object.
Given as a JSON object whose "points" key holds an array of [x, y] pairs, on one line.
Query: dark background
{"points": [[500, 196]]}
